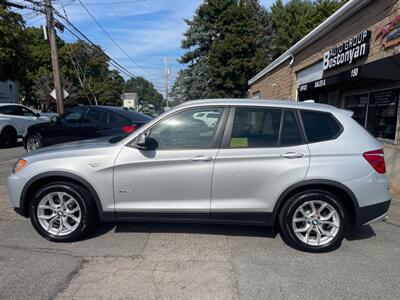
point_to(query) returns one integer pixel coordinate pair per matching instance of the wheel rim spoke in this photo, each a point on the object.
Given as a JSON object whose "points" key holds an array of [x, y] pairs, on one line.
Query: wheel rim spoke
{"points": [[311, 227], [59, 213]]}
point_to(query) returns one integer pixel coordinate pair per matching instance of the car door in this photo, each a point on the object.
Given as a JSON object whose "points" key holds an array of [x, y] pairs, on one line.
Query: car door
{"points": [[91, 124], [19, 117], [67, 128], [113, 124], [263, 153], [175, 176]]}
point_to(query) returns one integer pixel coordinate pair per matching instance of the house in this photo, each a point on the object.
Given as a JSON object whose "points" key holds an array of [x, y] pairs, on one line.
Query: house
{"points": [[9, 91]]}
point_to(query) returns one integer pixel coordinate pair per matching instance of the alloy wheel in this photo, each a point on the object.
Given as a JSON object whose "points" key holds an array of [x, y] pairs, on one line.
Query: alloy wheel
{"points": [[59, 213], [316, 223], [32, 144]]}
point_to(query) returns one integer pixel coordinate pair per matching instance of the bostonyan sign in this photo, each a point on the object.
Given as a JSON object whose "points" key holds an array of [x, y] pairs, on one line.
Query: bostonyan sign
{"points": [[347, 52]]}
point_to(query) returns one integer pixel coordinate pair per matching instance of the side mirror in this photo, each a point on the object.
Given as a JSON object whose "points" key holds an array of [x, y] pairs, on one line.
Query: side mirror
{"points": [[54, 119], [141, 141]]}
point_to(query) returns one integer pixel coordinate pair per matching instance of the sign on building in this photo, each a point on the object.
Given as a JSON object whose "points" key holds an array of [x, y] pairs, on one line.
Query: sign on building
{"points": [[347, 52]]}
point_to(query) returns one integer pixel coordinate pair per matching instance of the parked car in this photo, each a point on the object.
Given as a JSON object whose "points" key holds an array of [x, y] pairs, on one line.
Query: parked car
{"points": [[308, 168], [84, 122], [14, 120]]}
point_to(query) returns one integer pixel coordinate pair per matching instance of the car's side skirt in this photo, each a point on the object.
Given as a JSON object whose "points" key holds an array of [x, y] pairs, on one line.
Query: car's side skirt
{"points": [[250, 218]]}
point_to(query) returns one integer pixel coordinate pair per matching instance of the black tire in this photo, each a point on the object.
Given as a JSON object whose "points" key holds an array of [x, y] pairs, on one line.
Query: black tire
{"points": [[8, 137], [289, 209], [31, 139], [82, 197]]}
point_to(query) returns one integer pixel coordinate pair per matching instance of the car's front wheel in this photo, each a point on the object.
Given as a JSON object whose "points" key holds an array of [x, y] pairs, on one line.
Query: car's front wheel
{"points": [[314, 221], [33, 142], [62, 211]]}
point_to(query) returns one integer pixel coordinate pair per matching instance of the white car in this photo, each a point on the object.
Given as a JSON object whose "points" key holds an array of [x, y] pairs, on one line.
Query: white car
{"points": [[14, 120], [209, 118]]}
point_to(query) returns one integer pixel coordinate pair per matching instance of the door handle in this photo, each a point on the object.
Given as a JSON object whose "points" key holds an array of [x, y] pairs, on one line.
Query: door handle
{"points": [[201, 158], [292, 155]]}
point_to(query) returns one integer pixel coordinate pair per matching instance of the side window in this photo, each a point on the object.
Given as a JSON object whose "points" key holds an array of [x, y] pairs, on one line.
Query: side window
{"points": [[290, 135], [319, 126], [255, 128], [185, 130], [11, 110], [93, 117], [26, 112], [116, 120], [73, 115]]}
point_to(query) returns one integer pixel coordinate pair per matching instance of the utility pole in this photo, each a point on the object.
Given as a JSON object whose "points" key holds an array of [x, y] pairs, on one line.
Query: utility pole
{"points": [[54, 58], [166, 80]]}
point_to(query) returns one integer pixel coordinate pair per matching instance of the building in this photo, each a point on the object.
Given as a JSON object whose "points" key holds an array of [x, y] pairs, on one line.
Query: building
{"points": [[351, 60], [130, 100], [9, 91]]}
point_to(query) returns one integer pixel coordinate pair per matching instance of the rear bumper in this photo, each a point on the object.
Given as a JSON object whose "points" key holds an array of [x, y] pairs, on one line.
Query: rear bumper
{"points": [[373, 213]]}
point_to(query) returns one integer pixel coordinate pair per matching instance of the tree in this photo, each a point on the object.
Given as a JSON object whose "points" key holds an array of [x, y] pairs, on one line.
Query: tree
{"points": [[226, 43], [292, 20], [12, 55], [112, 88], [146, 92]]}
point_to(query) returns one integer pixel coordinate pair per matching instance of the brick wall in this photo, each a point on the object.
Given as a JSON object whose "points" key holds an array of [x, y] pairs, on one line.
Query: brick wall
{"points": [[277, 85]]}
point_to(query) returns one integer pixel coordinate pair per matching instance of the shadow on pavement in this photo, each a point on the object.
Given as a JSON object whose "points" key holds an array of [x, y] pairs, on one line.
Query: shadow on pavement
{"points": [[191, 228], [360, 233], [354, 234]]}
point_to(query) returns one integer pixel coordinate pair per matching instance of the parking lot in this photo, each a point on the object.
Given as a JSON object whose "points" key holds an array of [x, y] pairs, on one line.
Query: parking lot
{"points": [[191, 261]]}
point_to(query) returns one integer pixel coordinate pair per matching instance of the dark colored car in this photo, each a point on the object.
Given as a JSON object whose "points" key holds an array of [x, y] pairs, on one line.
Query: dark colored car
{"points": [[84, 122]]}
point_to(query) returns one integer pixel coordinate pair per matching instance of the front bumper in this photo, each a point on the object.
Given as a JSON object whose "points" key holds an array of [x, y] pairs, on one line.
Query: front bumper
{"points": [[373, 213], [15, 184]]}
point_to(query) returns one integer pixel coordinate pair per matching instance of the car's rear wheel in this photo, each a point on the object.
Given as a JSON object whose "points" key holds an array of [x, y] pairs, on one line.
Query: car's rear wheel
{"points": [[8, 137], [33, 142], [314, 221], [62, 211]]}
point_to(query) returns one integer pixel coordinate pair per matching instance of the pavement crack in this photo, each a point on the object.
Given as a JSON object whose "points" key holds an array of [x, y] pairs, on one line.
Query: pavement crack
{"points": [[70, 276]]}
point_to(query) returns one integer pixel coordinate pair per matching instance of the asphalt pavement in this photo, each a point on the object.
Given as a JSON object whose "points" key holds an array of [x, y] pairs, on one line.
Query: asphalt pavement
{"points": [[191, 261]]}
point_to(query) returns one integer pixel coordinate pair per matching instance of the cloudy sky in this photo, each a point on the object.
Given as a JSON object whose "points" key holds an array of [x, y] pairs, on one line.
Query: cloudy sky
{"points": [[147, 30]]}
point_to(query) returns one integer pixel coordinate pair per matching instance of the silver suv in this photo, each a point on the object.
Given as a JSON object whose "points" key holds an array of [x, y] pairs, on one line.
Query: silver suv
{"points": [[308, 168]]}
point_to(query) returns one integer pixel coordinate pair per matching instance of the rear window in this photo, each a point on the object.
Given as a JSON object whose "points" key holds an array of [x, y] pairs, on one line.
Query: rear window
{"points": [[320, 126], [132, 115]]}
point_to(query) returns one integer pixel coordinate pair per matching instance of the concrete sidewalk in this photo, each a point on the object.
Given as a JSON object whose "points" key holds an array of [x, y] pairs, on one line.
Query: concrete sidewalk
{"points": [[394, 210]]}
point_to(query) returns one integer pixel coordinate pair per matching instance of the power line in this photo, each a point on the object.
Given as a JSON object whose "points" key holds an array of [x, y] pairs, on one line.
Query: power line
{"points": [[79, 67], [77, 73], [114, 42], [92, 45]]}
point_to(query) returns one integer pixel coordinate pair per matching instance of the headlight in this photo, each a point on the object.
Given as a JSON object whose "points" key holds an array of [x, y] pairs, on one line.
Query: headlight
{"points": [[19, 165]]}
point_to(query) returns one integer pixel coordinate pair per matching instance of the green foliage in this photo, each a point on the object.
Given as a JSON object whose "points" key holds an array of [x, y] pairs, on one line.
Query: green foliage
{"points": [[12, 40], [292, 20], [226, 43], [25, 56], [146, 92]]}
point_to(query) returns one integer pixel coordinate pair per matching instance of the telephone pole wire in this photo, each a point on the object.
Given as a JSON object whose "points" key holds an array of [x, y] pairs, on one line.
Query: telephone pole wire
{"points": [[54, 57]]}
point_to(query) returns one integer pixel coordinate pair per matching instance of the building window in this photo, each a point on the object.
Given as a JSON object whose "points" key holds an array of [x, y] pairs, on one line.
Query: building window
{"points": [[382, 114], [256, 95], [358, 104], [376, 111]]}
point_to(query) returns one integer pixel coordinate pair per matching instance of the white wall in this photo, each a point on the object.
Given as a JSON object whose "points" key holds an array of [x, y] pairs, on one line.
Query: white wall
{"points": [[9, 92]]}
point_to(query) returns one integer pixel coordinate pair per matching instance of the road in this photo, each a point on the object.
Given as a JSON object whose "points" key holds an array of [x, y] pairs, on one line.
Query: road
{"points": [[189, 261]]}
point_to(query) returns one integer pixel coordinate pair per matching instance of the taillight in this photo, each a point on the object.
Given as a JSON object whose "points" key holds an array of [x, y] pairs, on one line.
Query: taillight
{"points": [[376, 160], [129, 128]]}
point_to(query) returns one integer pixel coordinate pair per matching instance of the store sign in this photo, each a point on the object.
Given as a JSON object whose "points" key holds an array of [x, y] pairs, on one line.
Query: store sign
{"points": [[347, 52], [331, 80], [389, 35]]}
